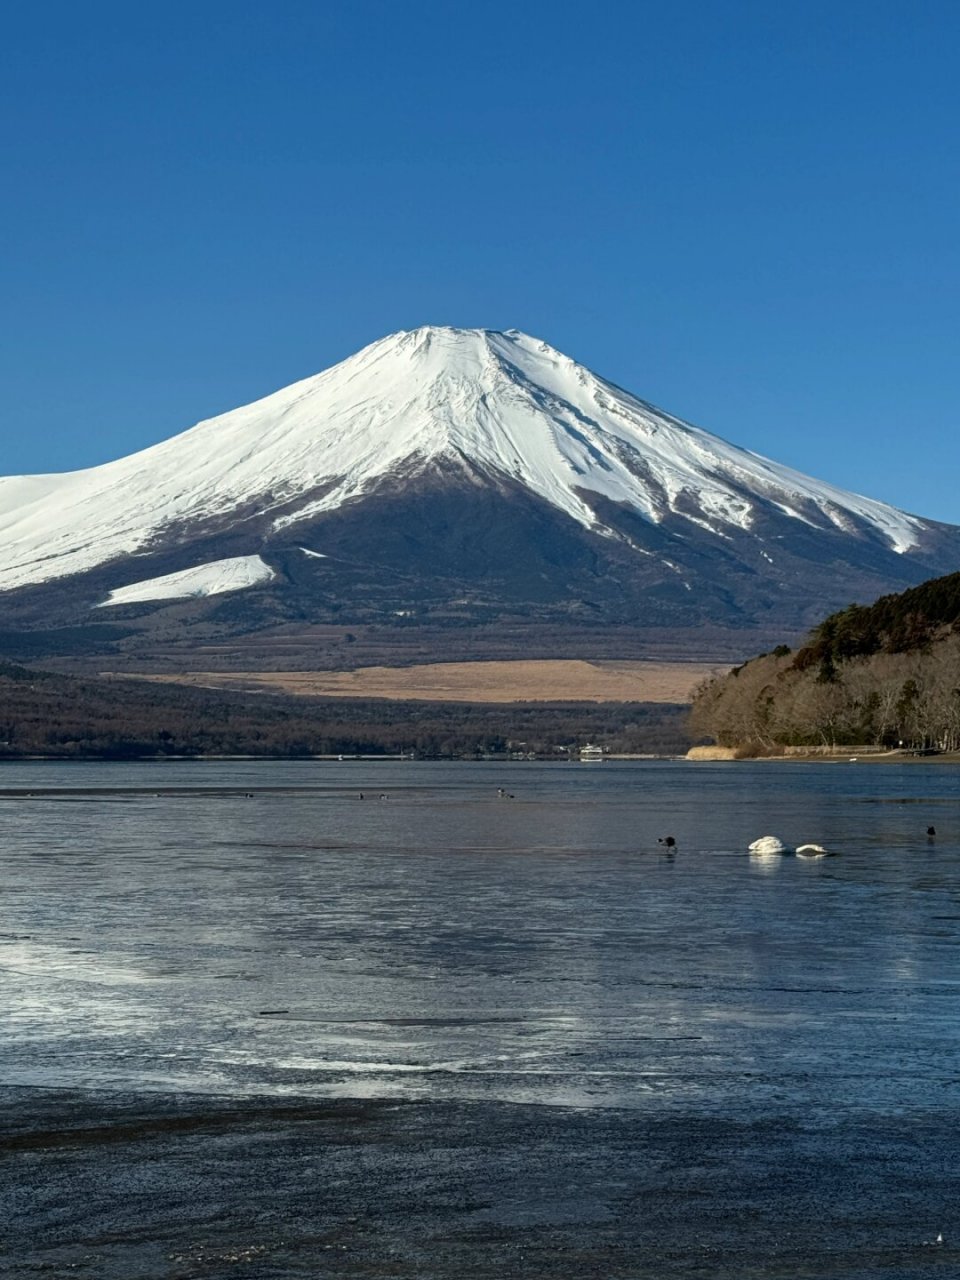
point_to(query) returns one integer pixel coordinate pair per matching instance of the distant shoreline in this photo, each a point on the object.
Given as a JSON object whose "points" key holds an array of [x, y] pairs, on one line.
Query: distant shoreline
{"points": [[840, 755], [728, 757]]}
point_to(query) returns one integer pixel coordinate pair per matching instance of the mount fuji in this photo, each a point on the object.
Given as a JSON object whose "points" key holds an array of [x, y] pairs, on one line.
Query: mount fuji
{"points": [[446, 477]]}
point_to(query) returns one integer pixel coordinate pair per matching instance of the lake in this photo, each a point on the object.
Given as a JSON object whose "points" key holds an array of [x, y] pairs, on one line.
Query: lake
{"points": [[642, 1061]]}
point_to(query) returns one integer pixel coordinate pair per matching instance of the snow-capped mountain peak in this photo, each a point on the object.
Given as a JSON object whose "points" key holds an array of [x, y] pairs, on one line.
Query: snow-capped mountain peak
{"points": [[507, 406]]}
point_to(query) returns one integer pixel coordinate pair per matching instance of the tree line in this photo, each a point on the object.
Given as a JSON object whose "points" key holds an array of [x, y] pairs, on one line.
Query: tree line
{"points": [[57, 716]]}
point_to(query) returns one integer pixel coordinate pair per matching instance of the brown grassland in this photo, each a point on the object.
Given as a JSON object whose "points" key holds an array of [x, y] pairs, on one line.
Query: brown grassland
{"points": [[496, 682]]}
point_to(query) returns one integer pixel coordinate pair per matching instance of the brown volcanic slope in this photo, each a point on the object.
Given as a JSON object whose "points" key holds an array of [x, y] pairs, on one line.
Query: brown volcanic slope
{"points": [[520, 681]]}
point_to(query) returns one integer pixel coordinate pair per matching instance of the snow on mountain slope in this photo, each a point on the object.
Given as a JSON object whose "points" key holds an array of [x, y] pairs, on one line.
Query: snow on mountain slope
{"points": [[211, 579], [504, 403]]}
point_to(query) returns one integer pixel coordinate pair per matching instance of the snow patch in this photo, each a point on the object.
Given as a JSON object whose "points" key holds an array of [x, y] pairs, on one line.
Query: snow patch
{"points": [[212, 579]]}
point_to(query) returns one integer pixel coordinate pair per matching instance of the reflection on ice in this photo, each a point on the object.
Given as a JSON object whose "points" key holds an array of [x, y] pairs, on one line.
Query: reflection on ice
{"points": [[78, 965], [765, 862]]}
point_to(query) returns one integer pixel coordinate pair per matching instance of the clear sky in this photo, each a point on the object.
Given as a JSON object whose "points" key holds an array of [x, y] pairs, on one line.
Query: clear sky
{"points": [[746, 212]]}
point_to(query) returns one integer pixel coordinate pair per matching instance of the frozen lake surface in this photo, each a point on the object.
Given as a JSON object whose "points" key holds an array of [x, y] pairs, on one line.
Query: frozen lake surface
{"points": [[242, 935]]}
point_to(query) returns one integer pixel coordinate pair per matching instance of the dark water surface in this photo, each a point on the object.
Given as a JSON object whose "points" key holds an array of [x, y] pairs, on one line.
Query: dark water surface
{"points": [[640, 1063]]}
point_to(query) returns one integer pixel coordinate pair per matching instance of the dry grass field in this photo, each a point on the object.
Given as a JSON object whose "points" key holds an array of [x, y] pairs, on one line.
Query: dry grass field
{"points": [[515, 681]]}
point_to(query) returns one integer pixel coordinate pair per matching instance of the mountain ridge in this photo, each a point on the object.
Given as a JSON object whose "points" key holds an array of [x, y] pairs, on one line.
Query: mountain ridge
{"points": [[474, 402], [453, 475]]}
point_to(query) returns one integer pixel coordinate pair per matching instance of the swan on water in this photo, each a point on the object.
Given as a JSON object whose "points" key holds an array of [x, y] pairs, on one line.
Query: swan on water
{"points": [[768, 844], [811, 851]]}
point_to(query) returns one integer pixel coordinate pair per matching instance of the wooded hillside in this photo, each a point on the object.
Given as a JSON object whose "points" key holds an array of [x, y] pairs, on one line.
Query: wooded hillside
{"points": [[886, 674]]}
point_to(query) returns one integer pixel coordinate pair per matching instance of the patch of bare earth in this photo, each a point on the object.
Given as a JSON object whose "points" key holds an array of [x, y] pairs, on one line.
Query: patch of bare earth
{"points": [[514, 681]]}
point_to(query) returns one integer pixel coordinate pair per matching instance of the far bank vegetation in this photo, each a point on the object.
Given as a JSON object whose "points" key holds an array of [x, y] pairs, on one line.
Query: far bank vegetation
{"points": [[55, 716], [884, 675]]}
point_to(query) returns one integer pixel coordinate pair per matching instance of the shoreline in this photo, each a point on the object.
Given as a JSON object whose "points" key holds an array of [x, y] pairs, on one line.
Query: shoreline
{"points": [[711, 755], [851, 755]]}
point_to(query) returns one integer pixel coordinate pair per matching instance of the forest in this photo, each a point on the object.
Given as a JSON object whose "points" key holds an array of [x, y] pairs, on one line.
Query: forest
{"points": [[886, 674], [57, 716]]}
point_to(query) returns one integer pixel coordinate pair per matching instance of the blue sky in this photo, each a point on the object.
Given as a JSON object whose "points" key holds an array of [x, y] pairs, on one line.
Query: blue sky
{"points": [[745, 212]]}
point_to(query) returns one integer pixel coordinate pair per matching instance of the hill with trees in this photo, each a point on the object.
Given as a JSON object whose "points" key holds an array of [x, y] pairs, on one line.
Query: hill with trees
{"points": [[886, 674]]}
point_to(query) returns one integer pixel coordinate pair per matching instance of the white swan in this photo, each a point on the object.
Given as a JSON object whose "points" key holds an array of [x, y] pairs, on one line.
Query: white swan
{"points": [[811, 851], [768, 844]]}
